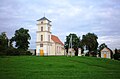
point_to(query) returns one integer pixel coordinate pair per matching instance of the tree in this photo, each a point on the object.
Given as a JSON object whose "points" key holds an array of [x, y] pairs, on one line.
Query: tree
{"points": [[116, 55], [90, 41], [103, 45], [3, 40], [21, 38], [3, 43], [75, 43]]}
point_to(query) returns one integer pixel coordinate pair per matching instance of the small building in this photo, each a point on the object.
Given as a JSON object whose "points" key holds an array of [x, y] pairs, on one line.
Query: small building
{"points": [[46, 43], [106, 53]]}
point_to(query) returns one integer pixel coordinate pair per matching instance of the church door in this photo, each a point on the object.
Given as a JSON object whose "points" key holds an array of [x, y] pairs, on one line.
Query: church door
{"points": [[104, 55], [41, 53]]}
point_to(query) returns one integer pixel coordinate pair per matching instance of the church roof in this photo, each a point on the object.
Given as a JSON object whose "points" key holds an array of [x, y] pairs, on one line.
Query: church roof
{"points": [[56, 39], [107, 49], [43, 18]]}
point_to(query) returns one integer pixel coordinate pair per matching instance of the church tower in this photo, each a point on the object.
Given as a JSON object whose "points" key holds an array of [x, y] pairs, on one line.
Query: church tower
{"points": [[43, 42]]}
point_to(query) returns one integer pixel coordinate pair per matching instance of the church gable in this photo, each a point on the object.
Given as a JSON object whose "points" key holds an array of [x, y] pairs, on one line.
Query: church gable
{"points": [[105, 49]]}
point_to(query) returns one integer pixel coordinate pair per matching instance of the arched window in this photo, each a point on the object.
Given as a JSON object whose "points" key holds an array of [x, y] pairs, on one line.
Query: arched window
{"points": [[41, 28], [49, 29], [41, 37]]}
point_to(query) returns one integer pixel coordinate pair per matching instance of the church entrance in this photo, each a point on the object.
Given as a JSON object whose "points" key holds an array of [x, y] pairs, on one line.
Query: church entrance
{"points": [[41, 52], [104, 55]]}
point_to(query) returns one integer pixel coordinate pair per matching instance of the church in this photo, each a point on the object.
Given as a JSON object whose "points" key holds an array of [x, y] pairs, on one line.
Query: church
{"points": [[46, 43], [106, 53]]}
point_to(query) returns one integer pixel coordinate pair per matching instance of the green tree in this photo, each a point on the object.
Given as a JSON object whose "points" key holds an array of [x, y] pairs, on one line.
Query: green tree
{"points": [[21, 39], [3, 40], [90, 40], [103, 45], [116, 55], [3, 43], [75, 43]]}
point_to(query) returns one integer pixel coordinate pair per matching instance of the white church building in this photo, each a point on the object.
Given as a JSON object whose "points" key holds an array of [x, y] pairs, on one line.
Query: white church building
{"points": [[106, 53], [46, 43]]}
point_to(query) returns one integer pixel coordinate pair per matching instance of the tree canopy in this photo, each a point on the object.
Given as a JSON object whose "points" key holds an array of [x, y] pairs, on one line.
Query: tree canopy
{"points": [[75, 42], [3, 40], [90, 40], [21, 37], [102, 46]]}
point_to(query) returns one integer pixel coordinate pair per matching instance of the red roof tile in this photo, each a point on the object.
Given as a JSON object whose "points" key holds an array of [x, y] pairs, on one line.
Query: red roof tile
{"points": [[56, 39]]}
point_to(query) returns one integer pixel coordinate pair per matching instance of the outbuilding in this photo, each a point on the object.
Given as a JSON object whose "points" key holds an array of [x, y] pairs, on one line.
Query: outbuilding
{"points": [[106, 53]]}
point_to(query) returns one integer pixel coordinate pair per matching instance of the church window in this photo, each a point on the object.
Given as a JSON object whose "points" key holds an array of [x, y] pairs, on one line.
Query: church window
{"points": [[48, 28], [41, 28], [41, 45], [41, 37]]}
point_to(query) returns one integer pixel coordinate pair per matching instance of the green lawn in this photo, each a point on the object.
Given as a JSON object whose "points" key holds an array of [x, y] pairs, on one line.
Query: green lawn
{"points": [[61, 67]]}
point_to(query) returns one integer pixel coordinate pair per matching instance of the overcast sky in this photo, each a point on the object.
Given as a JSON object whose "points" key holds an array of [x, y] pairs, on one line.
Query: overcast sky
{"points": [[101, 17]]}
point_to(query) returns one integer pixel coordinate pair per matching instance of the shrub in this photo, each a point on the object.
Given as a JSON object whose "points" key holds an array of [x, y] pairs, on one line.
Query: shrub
{"points": [[116, 56], [12, 51], [25, 52], [2, 53], [87, 54]]}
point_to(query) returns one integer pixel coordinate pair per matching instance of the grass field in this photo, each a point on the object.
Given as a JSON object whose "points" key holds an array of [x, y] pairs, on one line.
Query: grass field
{"points": [[61, 67]]}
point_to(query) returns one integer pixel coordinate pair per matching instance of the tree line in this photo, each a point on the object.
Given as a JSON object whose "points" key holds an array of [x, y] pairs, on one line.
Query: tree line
{"points": [[21, 39], [89, 41]]}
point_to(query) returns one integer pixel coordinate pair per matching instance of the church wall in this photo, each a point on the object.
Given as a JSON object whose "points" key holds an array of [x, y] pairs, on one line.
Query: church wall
{"points": [[45, 27], [53, 48], [38, 37], [45, 49], [59, 50], [37, 50]]}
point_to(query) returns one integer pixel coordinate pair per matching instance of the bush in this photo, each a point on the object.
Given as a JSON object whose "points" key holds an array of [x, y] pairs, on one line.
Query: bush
{"points": [[28, 53], [14, 52], [116, 56], [2, 53], [25, 52], [87, 54]]}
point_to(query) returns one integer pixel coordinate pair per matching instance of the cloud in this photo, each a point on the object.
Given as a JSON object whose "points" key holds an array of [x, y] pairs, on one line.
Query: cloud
{"points": [[67, 16], [111, 41]]}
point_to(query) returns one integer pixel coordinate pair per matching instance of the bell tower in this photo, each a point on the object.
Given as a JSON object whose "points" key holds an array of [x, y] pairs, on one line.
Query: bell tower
{"points": [[43, 41]]}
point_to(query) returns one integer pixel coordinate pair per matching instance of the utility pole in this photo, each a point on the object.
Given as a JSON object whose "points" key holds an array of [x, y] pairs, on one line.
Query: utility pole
{"points": [[70, 46]]}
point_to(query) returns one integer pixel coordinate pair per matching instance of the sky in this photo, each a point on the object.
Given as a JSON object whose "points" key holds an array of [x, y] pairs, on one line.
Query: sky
{"points": [[101, 17]]}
